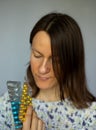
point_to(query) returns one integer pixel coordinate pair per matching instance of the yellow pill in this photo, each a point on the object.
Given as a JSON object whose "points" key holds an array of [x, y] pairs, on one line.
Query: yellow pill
{"points": [[22, 100], [23, 119], [21, 116], [23, 95], [25, 87], [22, 108], [28, 102], [24, 92], [22, 105], [29, 97], [21, 111]]}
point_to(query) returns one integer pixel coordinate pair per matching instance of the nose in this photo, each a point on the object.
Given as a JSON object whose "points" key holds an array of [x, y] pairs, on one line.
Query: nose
{"points": [[44, 67]]}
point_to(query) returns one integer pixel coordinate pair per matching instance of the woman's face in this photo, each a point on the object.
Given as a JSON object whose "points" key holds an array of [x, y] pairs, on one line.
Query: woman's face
{"points": [[41, 62]]}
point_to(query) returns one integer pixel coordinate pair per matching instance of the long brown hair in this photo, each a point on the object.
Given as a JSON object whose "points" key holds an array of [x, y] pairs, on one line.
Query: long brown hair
{"points": [[69, 67]]}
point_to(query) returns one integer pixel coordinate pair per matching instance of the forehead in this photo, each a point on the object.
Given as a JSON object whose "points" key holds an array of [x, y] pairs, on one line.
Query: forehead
{"points": [[42, 43]]}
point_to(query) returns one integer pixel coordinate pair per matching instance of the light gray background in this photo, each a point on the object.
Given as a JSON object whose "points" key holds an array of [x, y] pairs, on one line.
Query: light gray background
{"points": [[17, 17]]}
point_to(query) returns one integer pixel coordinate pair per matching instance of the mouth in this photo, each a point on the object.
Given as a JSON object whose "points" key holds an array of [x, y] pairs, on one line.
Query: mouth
{"points": [[43, 78]]}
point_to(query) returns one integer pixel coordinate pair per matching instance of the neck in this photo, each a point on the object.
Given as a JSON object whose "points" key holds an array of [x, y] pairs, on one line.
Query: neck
{"points": [[48, 95]]}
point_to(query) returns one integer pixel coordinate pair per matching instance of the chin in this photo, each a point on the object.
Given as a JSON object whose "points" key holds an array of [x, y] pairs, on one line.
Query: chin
{"points": [[43, 86]]}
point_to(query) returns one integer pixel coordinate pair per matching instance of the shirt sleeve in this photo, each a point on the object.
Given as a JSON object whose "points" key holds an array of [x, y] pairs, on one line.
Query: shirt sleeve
{"points": [[6, 117]]}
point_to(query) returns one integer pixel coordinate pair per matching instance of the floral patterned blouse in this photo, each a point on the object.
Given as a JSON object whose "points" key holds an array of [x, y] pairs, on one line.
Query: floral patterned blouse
{"points": [[56, 115]]}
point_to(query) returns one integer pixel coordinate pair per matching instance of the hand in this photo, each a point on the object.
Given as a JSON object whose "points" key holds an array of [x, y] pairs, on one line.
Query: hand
{"points": [[32, 122]]}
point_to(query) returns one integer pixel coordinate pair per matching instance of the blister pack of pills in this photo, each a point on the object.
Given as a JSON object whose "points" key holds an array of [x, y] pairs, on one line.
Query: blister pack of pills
{"points": [[20, 98]]}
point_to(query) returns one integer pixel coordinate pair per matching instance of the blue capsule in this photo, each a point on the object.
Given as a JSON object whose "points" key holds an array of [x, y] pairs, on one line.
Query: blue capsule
{"points": [[18, 122], [19, 126], [15, 117], [15, 112]]}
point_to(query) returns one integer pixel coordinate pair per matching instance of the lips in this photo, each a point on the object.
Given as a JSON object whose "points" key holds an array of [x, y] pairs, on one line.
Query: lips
{"points": [[42, 78]]}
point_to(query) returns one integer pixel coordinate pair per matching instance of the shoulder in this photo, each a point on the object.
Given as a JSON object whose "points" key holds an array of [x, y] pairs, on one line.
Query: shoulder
{"points": [[5, 106], [92, 110], [89, 116], [83, 118], [5, 112], [4, 101]]}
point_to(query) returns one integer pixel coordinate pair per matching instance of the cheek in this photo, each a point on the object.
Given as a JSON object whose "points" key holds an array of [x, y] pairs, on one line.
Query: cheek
{"points": [[34, 65]]}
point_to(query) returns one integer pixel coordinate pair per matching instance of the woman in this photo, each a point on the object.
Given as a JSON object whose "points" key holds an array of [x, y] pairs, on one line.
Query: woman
{"points": [[56, 74]]}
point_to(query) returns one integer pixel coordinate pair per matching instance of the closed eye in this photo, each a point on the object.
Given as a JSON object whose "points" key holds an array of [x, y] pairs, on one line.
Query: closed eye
{"points": [[36, 54]]}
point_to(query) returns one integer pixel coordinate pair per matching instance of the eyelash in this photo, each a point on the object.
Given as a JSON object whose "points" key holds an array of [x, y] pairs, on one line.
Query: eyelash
{"points": [[37, 56]]}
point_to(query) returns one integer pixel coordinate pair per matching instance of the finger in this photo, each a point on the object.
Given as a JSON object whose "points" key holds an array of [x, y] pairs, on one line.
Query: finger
{"points": [[28, 116], [40, 125], [34, 124], [43, 126]]}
